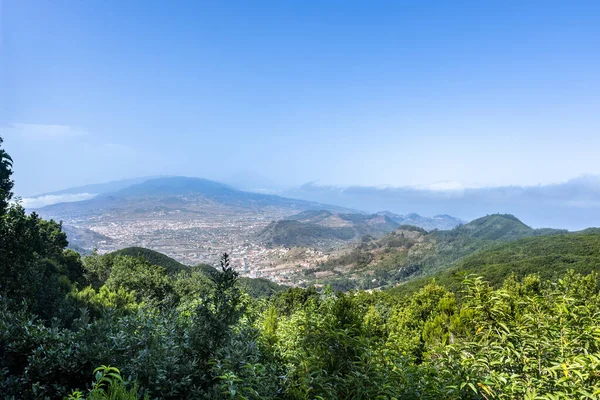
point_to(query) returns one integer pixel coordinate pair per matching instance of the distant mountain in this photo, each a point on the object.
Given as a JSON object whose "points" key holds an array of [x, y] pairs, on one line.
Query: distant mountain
{"points": [[323, 228], [573, 204], [100, 188], [294, 233], [441, 222], [362, 224], [496, 227], [181, 195], [410, 252], [312, 216], [79, 193]]}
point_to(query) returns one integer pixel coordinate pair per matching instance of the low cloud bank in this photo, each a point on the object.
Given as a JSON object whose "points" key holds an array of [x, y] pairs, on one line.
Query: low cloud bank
{"points": [[46, 200], [573, 205]]}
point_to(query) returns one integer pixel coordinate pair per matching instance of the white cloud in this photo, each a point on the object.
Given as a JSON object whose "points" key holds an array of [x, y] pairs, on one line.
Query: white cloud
{"points": [[43, 131], [444, 186], [41, 201]]}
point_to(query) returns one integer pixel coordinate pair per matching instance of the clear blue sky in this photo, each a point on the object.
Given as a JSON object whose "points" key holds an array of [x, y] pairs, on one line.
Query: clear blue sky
{"points": [[343, 92]]}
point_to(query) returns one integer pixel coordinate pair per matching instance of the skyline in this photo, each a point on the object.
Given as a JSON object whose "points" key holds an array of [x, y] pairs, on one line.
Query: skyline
{"points": [[572, 205], [403, 94]]}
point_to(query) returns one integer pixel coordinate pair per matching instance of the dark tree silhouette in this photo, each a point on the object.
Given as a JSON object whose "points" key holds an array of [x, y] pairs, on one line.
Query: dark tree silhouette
{"points": [[6, 183]]}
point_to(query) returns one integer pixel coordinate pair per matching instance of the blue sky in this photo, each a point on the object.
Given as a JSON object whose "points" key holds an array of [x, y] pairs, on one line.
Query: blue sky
{"points": [[407, 93]]}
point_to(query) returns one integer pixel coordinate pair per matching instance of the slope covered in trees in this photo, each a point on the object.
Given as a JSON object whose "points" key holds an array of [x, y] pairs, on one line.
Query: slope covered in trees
{"points": [[153, 257], [547, 256], [410, 252], [255, 287]]}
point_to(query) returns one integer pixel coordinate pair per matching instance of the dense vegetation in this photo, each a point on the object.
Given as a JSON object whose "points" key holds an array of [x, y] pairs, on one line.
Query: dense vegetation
{"points": [[410, 252], [153, 257], [124, 326], [254, 287], [550, 257]]}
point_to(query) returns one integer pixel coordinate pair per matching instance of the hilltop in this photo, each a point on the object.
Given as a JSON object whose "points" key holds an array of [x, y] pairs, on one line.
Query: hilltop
{"points": [[255, 287], [180, 195], [387, 218], [323, 228], [411, 252], [170, 265], [293, 233], [495, 227]]}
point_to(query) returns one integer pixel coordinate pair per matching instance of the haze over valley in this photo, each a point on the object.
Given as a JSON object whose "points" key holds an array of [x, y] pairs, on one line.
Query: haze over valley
{"points": [[286, 240], [195, 220]]}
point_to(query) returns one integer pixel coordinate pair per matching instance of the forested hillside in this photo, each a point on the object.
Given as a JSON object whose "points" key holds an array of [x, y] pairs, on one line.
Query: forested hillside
{"points": [[411, 252], [549, 257], [170, 265], [135, 324], [255, 287], [325, 229]]}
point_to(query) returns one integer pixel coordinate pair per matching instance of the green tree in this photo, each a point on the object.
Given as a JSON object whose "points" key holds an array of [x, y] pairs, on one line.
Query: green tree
{"points": [[150, 283], [6, 183]]}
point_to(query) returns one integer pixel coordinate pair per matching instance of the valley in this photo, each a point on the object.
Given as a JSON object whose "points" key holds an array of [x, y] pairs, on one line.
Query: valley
{"points": [[287, 241], [194, 220]]}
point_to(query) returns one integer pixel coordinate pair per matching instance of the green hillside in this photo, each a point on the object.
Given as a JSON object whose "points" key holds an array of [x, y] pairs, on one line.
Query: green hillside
{"points": [[295, 233], [153, 257], [314, 216], [408, 253], [255, 287], [549, 257], [496, 227]]}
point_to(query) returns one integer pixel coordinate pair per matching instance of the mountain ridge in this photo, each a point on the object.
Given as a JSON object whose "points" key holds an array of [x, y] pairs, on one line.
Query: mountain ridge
{"points": [[177, 191], [410, 252], [323, 228]]}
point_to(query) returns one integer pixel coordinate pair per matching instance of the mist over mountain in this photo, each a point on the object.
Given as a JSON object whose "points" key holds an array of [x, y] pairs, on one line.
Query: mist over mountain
{"points": [[252, 181], [441, 222], [80, 193], [191, 219], [99, 188], [180, 195], [573, 205]]}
